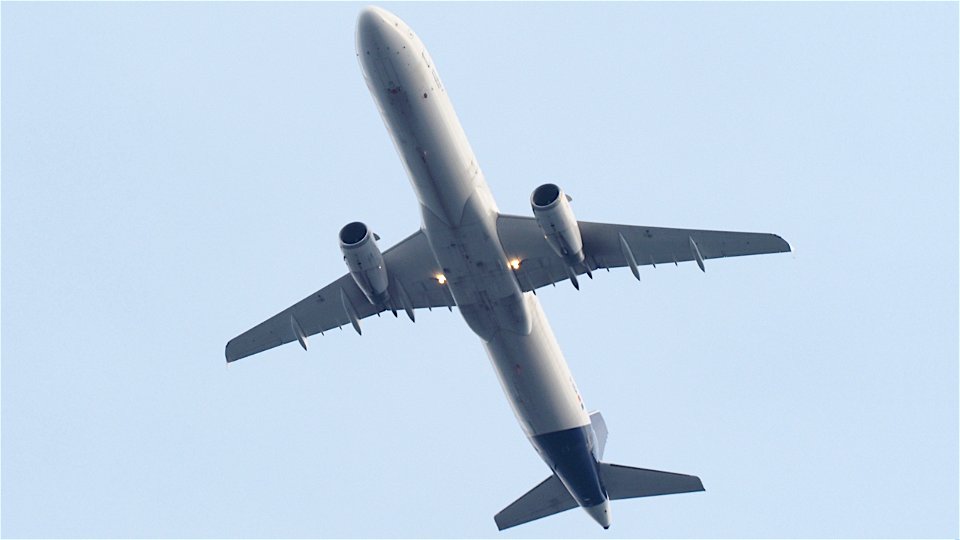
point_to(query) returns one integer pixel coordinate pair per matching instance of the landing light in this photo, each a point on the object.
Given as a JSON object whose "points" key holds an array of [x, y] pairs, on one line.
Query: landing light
{"points": [[514, 263], [441, 279]]}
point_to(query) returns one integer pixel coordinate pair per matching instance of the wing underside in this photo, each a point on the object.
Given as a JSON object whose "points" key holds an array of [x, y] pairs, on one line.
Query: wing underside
{"points": [[608, 245], [410, 266]]}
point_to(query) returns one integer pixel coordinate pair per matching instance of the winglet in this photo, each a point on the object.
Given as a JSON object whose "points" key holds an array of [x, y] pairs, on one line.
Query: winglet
{"points": [[790, 247]]}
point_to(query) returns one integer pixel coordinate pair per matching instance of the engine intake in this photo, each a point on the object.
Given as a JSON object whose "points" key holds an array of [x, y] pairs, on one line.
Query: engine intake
{"points": [[551, 207], [365, 261]]}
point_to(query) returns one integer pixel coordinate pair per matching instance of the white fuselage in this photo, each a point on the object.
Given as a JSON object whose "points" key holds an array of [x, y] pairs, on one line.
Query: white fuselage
{"points": [[459, 220]]}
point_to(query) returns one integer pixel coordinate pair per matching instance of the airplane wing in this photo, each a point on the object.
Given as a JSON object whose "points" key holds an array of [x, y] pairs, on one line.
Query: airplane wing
{"points": [[411, 268], [607, 245]]}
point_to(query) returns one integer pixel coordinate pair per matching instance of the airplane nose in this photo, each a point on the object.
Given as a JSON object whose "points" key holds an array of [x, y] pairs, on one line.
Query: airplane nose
{"points": [[373, 27], [371, 16]]}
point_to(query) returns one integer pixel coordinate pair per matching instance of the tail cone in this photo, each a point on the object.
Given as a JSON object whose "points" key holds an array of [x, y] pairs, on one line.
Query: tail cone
{"points": [[600, 513]]}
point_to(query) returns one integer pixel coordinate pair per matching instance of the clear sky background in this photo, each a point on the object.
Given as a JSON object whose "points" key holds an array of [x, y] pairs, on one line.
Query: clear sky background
{"points": [[173, 174]]}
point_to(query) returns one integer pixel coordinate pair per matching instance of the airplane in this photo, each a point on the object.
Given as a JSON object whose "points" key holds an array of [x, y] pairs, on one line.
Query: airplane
{"points": [[489, 266]]}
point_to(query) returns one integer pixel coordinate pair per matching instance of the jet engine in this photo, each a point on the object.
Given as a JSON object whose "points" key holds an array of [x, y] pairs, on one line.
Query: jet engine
{"points": [[365, 261], [551, 207]]}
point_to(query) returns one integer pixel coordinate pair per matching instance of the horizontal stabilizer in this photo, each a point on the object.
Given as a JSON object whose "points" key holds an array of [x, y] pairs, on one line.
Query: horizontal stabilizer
{"points": [[548, 498], [629, 482]]}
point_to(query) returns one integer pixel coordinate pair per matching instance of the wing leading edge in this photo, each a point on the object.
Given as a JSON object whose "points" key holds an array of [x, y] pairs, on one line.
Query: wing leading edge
{"points": [[607, 245], [411, 267]]}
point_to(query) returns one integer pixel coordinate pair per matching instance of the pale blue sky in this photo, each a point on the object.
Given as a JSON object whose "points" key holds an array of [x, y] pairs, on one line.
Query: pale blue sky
{"points": [[175, 173]]}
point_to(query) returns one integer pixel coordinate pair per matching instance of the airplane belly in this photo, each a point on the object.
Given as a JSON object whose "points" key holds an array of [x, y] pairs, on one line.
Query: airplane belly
{"points": [[535, 376], [476, 271]]}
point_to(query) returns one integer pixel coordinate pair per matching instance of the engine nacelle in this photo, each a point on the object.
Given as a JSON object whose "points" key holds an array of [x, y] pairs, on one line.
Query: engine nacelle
{"points": [[551, 207], [365, 261]]}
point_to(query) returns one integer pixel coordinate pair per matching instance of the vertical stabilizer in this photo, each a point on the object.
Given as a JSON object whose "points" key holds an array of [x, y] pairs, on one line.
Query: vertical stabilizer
{"points": [[599, 431]]}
